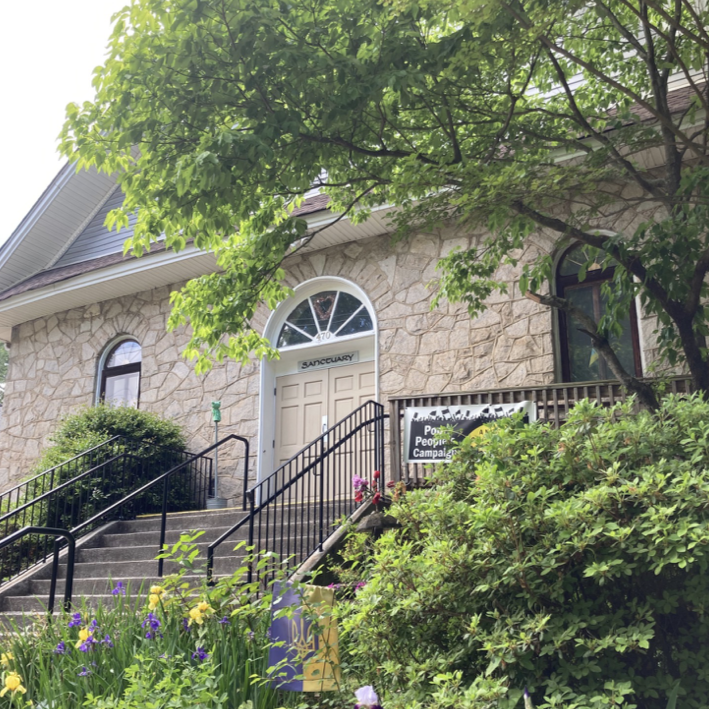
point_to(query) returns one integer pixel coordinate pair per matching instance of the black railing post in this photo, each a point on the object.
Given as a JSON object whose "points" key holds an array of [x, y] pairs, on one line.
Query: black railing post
{"points": [[53, 582], [210, 565], [246, 470], [321, 522], [250, 546], [163, 521], [69, 581]]}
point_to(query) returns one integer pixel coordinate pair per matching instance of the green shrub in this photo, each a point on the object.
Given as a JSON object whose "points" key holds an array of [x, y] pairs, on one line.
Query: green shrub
{"points": [[154, 446], [93, 425], [572, 562]]}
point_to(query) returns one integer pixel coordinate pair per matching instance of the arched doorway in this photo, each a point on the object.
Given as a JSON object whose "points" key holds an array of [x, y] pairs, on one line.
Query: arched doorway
{"points": [[327, 339]]}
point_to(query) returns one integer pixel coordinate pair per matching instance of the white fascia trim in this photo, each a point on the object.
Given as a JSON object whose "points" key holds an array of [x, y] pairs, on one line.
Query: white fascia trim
{"points": [[35, 213], [120, 270]]}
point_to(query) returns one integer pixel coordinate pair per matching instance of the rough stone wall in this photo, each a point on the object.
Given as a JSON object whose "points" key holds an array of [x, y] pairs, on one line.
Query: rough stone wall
{"points": [[53, 360]]}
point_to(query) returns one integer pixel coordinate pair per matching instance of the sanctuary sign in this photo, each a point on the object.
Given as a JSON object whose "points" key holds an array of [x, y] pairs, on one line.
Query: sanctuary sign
{"points": [[423, 423]]}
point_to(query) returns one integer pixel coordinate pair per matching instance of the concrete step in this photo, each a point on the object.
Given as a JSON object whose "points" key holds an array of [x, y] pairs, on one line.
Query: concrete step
{"points": [[136, 587], [144, 553], [141, 539], [118, 570], [148, 538], [184, 521]]}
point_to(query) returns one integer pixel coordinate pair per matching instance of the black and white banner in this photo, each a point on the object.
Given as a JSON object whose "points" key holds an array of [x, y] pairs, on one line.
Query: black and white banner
{"points": [[422, 423]]}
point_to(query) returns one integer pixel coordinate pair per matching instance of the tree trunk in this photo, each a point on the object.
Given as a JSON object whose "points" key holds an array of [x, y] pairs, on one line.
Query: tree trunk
{"points": [[692, 345]]}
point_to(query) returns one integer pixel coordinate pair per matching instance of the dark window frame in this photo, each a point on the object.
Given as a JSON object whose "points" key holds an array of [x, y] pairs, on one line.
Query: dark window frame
{"points": [[120, 370], [595, 280]]}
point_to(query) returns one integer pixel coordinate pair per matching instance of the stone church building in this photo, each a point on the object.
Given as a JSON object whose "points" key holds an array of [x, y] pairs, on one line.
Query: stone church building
{"points": [[85, 323]]}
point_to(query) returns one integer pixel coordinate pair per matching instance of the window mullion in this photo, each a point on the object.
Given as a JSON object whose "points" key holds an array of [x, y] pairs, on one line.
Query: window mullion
{"points": [[315, 317], [333, 311], [361, 307], [297, 329]]}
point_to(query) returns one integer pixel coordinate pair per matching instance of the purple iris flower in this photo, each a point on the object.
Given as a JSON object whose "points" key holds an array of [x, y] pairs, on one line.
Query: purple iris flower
{"points": [[119, 590], [201, 654], [250, 635], [75, 621], [152, 622], [85, 672], [94, 625], [224, 621], [107, 641], [60, 649], [186, 625], [86, 645]]}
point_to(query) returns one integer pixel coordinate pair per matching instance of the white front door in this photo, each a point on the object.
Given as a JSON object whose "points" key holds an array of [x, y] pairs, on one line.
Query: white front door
{"points": [[309, 403]]}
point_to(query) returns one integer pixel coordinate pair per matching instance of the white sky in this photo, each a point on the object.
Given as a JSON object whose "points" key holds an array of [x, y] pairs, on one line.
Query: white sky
{"points": [[48, 50]]}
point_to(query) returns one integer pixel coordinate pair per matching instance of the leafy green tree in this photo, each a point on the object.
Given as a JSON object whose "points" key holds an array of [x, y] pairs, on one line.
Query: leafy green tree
{"points": [[219, 115]]}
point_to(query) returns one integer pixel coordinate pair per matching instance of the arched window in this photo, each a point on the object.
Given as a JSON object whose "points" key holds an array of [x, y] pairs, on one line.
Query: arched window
{"points": [[120, 377], [324, 317], [579, 360]]}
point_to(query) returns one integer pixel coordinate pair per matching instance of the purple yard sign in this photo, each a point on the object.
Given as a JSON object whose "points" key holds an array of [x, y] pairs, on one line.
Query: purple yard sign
{"points": [[304, 654]]}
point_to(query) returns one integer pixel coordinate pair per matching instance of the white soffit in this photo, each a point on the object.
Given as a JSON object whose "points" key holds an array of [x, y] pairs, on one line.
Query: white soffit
{"points": [[52, 222], [125, 278]]}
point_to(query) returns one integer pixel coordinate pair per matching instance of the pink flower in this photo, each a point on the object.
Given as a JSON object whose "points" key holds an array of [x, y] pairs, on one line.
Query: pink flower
{"points": [[359, 483]]}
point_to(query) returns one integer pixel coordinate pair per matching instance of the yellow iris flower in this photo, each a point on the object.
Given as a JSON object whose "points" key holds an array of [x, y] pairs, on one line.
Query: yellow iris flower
{"points": [[196, 616], [5, 659], [13, 683], [156, 594], [84, 635], [199, 611]]}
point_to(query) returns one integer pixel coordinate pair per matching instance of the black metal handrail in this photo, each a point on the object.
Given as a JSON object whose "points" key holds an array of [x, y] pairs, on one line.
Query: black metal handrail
{"points": [[97, 493], [164, 478], [315, 485], [45, 481], [71, 552]]}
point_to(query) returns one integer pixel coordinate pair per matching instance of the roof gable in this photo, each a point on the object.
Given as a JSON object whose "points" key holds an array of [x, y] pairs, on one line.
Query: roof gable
{"points": [[96, 240]]}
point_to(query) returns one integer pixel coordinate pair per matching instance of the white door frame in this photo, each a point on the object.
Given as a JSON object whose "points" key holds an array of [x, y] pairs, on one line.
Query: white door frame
{"points": [[367, 344]]}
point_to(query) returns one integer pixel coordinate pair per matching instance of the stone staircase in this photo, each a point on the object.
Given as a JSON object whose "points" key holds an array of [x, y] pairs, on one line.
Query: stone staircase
{"points": [[125, 551]]}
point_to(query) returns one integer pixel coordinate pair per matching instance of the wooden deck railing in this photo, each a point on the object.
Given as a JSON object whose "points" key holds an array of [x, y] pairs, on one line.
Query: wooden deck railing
{"points": [[553, 404]]}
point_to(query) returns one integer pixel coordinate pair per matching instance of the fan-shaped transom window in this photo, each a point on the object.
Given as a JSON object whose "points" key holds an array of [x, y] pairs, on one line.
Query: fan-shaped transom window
{"points": [[324, 317], [120, 378]]}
